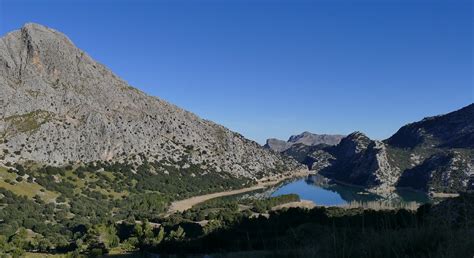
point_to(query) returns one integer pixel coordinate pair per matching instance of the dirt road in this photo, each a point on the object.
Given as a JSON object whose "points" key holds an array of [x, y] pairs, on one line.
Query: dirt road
{"points": [[182, 205]]}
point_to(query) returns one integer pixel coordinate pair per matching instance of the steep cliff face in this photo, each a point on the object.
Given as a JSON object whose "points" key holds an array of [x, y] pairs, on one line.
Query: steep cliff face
{"points": [[58, 105], [361, 161]]}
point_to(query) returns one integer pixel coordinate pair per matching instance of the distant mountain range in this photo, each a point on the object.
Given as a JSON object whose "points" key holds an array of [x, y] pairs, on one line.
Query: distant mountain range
{"points": [[433, 155], [59, 106], [305, 138]]}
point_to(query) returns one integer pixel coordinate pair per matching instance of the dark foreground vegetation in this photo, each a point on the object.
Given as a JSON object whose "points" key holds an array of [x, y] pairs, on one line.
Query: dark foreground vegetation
{"points": [[233, 225], [97, 209], [63, 209], [443, 230]]}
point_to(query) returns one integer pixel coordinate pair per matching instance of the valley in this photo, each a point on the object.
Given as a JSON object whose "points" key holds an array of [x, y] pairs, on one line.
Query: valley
{"points": [[186, 204], [434, 156], [91, 166]]}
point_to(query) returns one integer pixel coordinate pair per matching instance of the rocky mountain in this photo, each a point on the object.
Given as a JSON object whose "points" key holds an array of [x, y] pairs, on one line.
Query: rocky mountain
{"points": [[304, 139], [277, 145], [301, 151], [359, 160], [58, 105], [442, 172], [453, 130], [433, 155], [312, 139]]}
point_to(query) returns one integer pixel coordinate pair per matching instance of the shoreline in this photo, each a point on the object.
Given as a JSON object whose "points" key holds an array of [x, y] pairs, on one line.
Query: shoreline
{"points": [[392, 189], [186, 204]]}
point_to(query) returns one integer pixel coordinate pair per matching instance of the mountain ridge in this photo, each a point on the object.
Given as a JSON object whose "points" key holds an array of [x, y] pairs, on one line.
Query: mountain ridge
{"points": [[61, 106], [432, 155], [457, 130], [305, 138]]}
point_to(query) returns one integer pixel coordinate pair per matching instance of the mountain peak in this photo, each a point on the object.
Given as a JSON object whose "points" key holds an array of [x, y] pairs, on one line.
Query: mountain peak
{"points": [[308, 138], [454, 130], [38, 33], [38, 51], [358, 137], [32, 25], [58, 105], [357, 134], [305, 138]]}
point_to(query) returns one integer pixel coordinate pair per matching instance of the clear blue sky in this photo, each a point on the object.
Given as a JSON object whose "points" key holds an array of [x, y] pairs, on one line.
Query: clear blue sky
{"points": [[275, 68]]}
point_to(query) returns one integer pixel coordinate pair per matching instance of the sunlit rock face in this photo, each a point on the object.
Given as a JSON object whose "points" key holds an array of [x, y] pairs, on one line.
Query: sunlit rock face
{"points": [[57, 105]]}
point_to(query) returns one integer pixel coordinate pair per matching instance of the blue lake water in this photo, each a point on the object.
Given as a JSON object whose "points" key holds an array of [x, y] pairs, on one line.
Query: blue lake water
{"points": [[311, 192], [336, 195]]}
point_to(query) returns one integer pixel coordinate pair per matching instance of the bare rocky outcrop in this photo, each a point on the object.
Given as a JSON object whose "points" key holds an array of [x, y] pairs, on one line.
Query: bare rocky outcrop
{"points": [[57, 105], [359, 160]]}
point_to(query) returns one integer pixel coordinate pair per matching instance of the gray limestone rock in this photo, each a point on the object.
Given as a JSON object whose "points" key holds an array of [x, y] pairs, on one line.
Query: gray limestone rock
{"points": [[58, 105]]}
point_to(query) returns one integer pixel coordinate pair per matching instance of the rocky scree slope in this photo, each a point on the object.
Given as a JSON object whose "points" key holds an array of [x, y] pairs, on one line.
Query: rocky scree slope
{"points": [[57, 105], [433, 155]]}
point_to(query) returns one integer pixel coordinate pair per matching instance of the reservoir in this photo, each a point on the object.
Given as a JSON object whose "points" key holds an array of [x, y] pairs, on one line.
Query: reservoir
{"points": [[318, 189]]}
